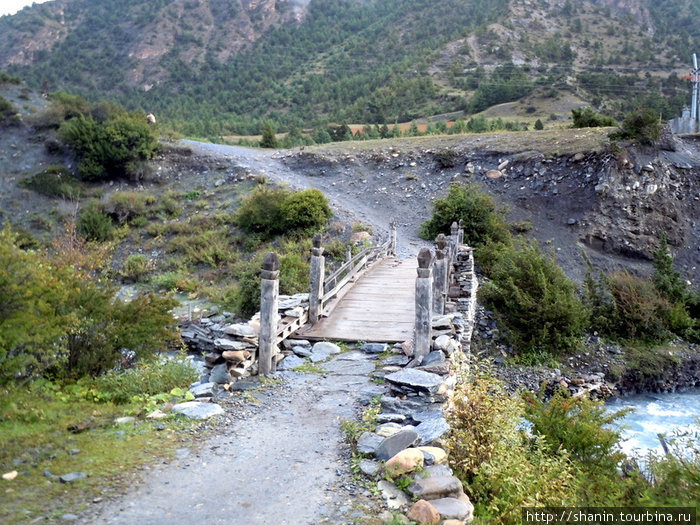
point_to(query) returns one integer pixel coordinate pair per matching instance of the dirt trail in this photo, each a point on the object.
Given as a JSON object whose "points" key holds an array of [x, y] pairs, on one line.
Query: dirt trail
{"points": [[359, 194], [285, 465]]}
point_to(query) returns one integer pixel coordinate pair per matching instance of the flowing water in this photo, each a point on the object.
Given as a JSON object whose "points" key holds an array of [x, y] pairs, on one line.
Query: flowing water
{"points": [[657, 414]]}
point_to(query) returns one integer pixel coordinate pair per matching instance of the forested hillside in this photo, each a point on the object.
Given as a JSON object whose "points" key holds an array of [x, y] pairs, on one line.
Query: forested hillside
{"points": [[217, 67]]}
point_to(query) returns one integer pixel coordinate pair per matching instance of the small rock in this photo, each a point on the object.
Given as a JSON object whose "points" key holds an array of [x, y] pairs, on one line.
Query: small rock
{"points": [[436, 487], [290, 362], [9, 476], [124, 420], [369, 442], [326, 348], [433, 357], [390, 417], [73, 476], [416, 379], [392, 445], [434, 455], [369, 467], [494, 174], [404, 462], [240, 330], [423, 513], [235, 356], [374, 348], [197, 410], [302, 351], [203, 390], [219, 375], [69, 517], [388, 429], [157, 414], [452, 508], [407, 348], [395, 498]]}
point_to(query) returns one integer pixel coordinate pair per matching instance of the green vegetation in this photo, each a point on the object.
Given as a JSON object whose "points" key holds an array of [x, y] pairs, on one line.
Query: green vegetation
{"points": [[49, 304], [94, 224], [570, 457], [272, 210], [55, 181], [587, 118], [642, 125], [111, 148], [8, 112], [535, 302]]}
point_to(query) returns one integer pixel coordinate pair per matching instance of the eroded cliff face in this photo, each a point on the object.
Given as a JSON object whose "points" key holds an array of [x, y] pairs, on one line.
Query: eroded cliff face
{"points": [[642, 193]]}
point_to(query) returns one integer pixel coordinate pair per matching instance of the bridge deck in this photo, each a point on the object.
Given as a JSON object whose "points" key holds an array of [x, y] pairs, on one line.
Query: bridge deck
{"points": [[379, 307]]}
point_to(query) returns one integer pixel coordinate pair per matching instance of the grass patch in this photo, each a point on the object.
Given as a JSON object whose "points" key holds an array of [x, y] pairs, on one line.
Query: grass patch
{"points": [[35, 439], [55, 181], [309, 368]]}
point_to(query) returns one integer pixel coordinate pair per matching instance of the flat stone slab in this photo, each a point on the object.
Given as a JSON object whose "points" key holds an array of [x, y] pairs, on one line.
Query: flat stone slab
{"points": [[229, 344], [203, 389], [290, 362], [73, 476], [240, 330], [374, 348], [348, 368], [198, 410], [436, 487], [326, 348], [453, 508], [369, 442], [392, 445], [396, 360], [431, 430], [416, 379], [395, 498]]}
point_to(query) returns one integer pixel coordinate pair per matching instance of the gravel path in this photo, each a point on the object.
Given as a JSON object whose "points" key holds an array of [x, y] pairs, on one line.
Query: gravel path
{"points": [[288, 464]]}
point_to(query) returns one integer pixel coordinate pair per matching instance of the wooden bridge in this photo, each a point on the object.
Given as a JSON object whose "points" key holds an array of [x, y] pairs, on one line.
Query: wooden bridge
{"points": [[373, 297]]}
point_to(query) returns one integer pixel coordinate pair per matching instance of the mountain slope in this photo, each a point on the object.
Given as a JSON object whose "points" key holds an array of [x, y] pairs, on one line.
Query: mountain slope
{"points": [[220, 66]]}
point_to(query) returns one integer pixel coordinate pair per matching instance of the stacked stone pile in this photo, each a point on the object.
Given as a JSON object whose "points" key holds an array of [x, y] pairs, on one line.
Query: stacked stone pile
{"points": [[411, 426], [230, 348]]}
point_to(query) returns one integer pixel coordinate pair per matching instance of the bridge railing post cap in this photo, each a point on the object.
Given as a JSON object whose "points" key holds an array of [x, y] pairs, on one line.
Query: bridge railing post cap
{"points": [[425, 258], [316, 240], [441, 241], [271, 262]]}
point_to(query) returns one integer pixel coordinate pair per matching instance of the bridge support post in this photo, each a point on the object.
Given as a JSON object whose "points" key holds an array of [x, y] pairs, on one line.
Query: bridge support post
{"points": [[269, 293], [440, 275], [424, 287], [348, 254], [317, 272], [392, 249], [460, 234]]}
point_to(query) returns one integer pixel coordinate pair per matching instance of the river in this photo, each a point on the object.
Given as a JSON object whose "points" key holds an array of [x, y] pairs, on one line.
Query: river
{"points": [[654, 414]]}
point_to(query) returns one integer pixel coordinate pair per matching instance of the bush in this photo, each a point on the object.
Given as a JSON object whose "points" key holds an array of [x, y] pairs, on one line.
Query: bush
{"points": [[111, 148], [147, 378], [54, 319], [499, 466], [269, 211], [136, 267], [125, 206], [94, 224], [538, 125], [55, 181], [587, 118], [447, 158], [483, 222], [642, 125], [8, 112], [261, 210], [535, 302], [305, 211]]}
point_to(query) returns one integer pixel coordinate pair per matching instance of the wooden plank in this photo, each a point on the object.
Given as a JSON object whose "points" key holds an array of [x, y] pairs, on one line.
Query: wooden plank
{"points": [[379, 306]]}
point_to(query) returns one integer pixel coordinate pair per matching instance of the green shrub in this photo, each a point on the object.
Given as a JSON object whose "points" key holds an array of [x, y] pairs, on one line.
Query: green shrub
{"points": [[192, 195], [170, 207], [111, 148], [136, 267], [54, 319], [587, 118], [642, 125], [294, 274], [483, 222], [305, 211], [538, 125], [55, 181], [210, 247], [125, 206], [94, 224], [535, 302], [261, 211], [501, 468], [8, 112], [174, 281], [146, 378], [447, 158]]}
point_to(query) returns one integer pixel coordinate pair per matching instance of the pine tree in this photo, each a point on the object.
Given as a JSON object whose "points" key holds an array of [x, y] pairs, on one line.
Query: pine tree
{"points": [[269, 139]]}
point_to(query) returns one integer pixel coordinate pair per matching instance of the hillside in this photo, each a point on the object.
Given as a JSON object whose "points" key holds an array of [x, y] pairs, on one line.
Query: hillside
{"points": [[218, 67]]}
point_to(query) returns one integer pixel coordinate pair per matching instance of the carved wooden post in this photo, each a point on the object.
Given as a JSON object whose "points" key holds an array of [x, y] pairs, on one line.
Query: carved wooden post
{"points": [[392, 249], [440, 275], [317, 271], [460, 233], [348, 253], [424, 286], [269, 291], [452, 241]]}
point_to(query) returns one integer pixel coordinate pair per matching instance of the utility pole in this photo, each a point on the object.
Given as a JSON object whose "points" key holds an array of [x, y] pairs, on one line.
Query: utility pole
{"points": [[696, 87]]}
